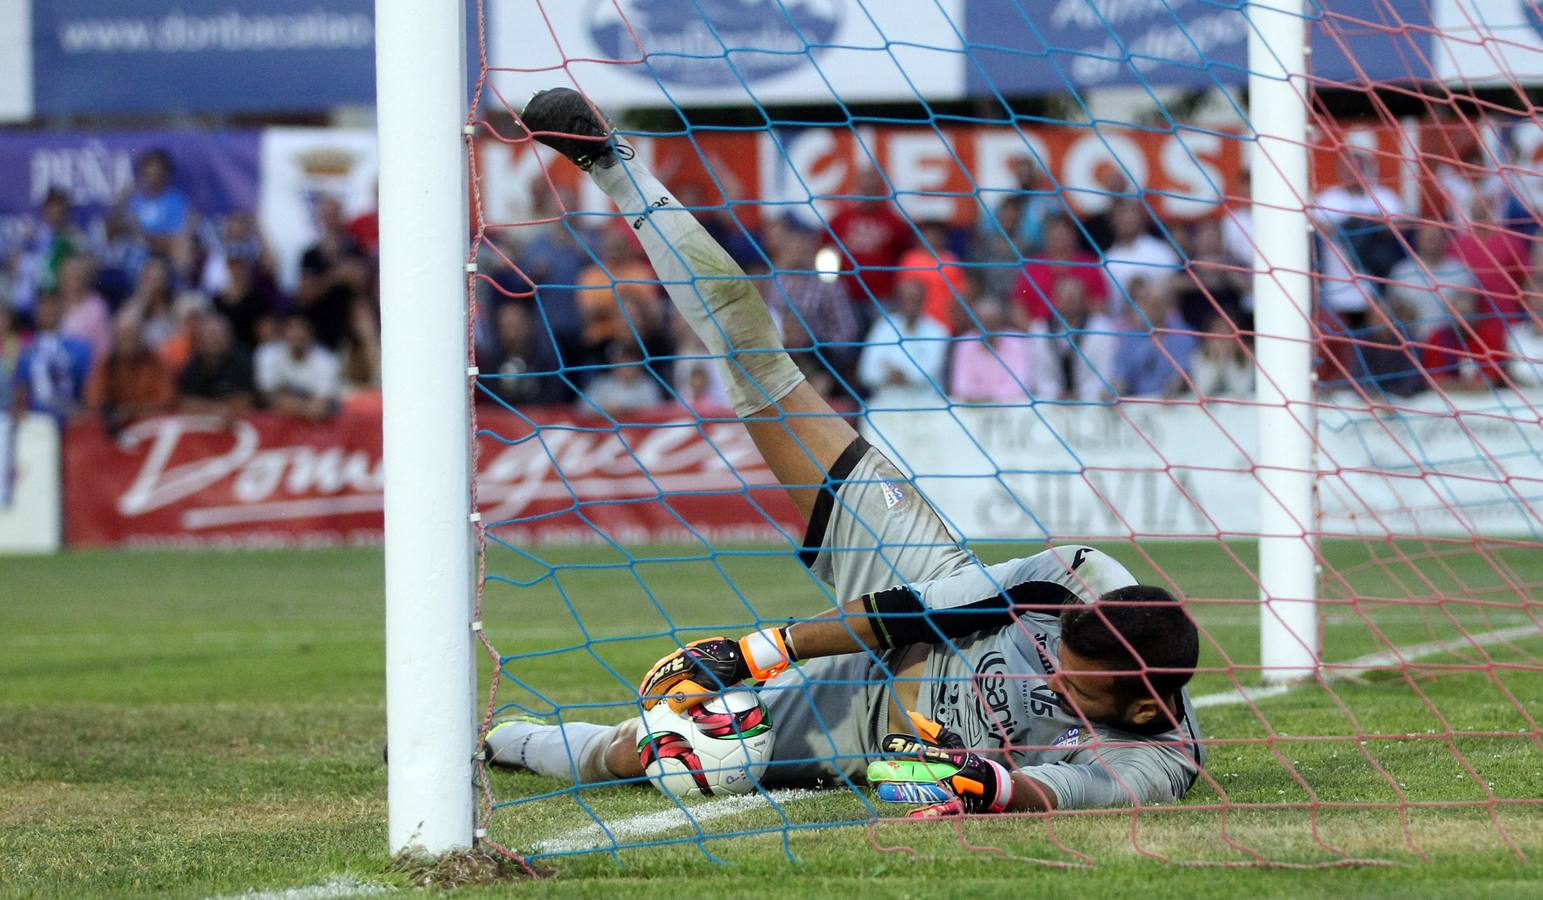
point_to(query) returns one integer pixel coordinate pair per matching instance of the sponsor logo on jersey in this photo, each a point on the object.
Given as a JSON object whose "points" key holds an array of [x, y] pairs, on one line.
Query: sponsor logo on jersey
{"points": [[894, 494], [1071, 737]]}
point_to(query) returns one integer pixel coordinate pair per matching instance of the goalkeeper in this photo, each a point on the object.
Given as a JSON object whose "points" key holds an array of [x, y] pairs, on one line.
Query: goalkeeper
{"points": [[1048, 682]]}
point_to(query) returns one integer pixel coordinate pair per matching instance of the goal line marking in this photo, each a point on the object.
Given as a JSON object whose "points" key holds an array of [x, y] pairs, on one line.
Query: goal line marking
{"points": [[1383, 660]]}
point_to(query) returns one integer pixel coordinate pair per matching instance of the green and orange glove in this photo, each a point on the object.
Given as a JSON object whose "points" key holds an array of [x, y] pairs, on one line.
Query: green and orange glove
{"points": [[949, 779]]}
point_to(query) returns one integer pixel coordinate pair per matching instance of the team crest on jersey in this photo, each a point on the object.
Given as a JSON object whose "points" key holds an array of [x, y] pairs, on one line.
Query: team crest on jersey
{"points": [[894, 494], [1071, 737]]}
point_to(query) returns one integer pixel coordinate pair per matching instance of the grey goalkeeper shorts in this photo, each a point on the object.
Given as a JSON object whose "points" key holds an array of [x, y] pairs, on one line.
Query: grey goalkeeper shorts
{"points": [[870, 529]]}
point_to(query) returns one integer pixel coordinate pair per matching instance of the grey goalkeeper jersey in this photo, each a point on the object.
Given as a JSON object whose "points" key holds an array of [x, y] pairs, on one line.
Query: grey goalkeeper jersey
{"points": [[990, 687]]}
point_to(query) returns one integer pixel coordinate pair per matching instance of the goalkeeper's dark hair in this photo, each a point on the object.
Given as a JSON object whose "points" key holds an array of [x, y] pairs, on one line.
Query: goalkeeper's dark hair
{"points": [[1136, 628]]}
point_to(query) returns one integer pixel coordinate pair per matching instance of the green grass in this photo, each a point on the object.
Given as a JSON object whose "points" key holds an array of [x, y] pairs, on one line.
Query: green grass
{"points": [[204, 724]]}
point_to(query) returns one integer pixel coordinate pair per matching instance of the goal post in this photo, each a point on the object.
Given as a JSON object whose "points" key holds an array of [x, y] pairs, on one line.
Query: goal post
{"points": [[1283, 344], [430, 666]]}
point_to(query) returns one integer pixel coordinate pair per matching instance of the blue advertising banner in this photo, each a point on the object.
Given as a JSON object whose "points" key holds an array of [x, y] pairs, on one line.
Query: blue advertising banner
{"points": [[175, 55], [217, 171], [1050, 46]]}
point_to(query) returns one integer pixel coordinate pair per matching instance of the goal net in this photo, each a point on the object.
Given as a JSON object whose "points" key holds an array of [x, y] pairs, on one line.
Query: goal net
{"points": [[1022, 248]]}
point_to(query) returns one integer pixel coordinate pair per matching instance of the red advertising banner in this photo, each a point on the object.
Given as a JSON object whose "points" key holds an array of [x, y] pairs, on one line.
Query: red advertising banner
{"points": [[947, 172], [268, 481]]}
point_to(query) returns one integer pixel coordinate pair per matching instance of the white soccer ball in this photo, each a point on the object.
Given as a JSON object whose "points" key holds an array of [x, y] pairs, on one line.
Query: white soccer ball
{"points": [[715, 748]]}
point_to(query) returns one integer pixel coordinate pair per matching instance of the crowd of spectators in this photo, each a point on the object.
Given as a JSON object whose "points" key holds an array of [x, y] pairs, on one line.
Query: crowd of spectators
{"points": [[156, 307]]}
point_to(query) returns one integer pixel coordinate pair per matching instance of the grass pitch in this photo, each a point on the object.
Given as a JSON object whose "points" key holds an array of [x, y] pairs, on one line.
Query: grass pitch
{"points": [[210, 724]]}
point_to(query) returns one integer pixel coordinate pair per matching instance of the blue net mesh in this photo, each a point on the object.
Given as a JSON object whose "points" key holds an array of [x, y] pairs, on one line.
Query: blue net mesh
{"points": [[1011, 245]]}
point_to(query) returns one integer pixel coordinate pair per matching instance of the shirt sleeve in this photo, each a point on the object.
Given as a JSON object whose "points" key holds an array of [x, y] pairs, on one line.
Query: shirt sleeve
{"points": [[1098, 777]]}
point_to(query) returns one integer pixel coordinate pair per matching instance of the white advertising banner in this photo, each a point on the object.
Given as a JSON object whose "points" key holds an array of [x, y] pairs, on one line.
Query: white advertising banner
{"points": [[1154, 469], [30, 494], [1487, 42], [15, 62], [656, 53], [298, 166]]}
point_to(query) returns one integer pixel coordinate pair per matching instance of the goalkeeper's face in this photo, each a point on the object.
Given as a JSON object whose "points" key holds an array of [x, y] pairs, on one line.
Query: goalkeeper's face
{"points": [[1086, 688]]}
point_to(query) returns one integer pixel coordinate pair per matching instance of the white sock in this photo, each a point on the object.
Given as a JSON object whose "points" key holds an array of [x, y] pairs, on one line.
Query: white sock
{"points": [[554, 750], [711, 291]]}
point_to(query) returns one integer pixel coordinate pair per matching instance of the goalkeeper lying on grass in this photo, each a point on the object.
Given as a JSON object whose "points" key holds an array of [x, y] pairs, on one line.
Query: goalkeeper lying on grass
{"points": [[1051, 681]]}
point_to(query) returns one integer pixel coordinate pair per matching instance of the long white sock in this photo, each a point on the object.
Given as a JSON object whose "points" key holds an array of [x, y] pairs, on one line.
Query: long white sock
{"points": [[711, 291], [553, 750]]}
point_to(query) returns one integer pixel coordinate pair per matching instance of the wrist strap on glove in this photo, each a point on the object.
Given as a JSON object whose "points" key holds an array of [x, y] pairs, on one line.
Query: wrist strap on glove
{"points": [[766, 653]]}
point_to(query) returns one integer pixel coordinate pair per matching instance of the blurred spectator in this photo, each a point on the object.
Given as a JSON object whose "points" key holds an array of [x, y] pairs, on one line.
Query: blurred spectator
{"points": [[521, 362], [327, 296], [120, 254], [1116, 189], [1427, 286], [1215, 283], [1135, 253], [10, 348], [1351, 219], [217, 380], [996, 252], [1153, 356], [1039, 203], [620, 301], [1080, 343], [365, 227], [1062, 258], [130, 381], [162, 211], [86, 315], [48, 240], [819, 326], [871, 236], [153, 302], [295, 375], [248, 301], [186, 315], [361, 352], [551, 255], [1497, 257], [1221, 367], [238, 235], [1453, 351], [333, 240], [904, 352], [991, 363], [627, 385], [1526, 338], [941, 276], [699, 386], [52, 367]]}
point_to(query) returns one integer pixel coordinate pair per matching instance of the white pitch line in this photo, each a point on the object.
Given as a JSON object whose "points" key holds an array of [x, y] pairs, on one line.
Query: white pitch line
{"points": [[338, 886], [1384, 660], [645, 825]]}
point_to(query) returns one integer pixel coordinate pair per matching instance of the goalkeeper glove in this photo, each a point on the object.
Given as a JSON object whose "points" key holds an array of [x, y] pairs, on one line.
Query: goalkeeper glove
{"points": [[955, 780], [691, 674]]}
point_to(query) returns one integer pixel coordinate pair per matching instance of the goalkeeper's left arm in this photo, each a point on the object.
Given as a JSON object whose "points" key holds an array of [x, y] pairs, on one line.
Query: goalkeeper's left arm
{"points": [[880, 620]]}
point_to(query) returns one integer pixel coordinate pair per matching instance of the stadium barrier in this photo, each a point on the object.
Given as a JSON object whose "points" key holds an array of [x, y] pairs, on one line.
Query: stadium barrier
{"points": [[30, 506], [268, 481], [1456, 465]]}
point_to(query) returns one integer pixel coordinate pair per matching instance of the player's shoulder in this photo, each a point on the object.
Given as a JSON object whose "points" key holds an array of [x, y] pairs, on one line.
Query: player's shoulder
{"points": [[1085, 571]]}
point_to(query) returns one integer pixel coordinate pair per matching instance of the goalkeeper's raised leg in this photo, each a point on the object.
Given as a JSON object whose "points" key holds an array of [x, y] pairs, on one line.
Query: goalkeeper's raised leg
{"points": [[796, 431]]}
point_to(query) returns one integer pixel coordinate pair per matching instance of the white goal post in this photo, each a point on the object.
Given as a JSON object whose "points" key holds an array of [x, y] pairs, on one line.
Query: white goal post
{"points": [[421, 98], [1283, 344]]}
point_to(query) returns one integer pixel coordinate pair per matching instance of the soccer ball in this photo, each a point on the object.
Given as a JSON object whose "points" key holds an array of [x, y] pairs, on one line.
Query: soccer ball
{"points": [[715, 748]]}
